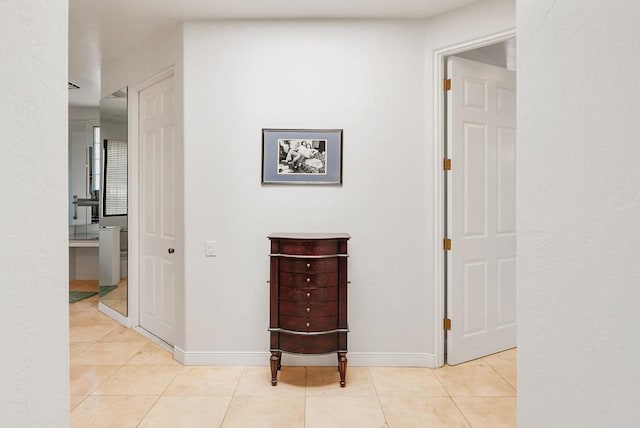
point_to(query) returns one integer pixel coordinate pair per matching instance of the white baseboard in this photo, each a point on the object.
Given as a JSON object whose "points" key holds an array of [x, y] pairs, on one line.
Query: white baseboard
{"points": [[155, 339], [391, 359], [356, 359], [117, 316], [221, 358]]}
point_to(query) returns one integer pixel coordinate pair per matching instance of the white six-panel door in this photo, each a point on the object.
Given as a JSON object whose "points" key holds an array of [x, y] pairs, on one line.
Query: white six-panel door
{"points": [[481, 218], [157, 209]]}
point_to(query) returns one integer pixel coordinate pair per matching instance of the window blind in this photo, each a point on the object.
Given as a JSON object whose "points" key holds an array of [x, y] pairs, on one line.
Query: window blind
{"points": [[115, 178]]}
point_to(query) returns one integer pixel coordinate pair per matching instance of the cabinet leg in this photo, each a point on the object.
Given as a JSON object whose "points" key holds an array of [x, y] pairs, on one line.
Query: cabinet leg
{"points": [[275, 362], [342, 366], [279, 360]]}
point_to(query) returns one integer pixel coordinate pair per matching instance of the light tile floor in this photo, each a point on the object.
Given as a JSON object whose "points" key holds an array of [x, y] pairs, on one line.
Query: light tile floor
{"points": [[121, 379]]}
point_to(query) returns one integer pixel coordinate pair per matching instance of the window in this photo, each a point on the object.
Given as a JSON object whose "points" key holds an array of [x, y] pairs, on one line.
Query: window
{"points": [[114, 201], [95, 160]]}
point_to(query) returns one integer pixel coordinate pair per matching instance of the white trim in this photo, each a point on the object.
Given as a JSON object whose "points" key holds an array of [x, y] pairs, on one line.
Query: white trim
{"points": [[155, 339], [133, 218], [385, 359], [355, 359], [438, 182], [133, 298], [221, 358], [117, 316]]}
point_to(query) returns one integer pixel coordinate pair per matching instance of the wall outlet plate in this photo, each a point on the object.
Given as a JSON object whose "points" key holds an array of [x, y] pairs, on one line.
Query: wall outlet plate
{"points": [[210, 248]]}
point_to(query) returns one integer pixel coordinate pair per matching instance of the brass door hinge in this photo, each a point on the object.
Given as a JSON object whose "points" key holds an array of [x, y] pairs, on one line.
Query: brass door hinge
{"points": [[447, 324], [446, 164], [446, 84], [446, 244]]}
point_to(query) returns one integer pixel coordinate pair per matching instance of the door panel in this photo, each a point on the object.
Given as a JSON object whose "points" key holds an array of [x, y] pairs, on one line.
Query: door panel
{"points": [[475, 148], [506, 292], [168, 183], [157, 210], [506, 180], [481, 218], [475, 294]]}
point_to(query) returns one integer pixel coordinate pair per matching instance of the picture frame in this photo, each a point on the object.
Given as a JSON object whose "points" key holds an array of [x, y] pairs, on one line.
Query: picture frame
{"points": [[302, 156]]}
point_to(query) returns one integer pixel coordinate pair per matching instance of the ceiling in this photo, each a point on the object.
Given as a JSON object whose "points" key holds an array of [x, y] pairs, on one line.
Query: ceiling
{"points": [[100, 31]]}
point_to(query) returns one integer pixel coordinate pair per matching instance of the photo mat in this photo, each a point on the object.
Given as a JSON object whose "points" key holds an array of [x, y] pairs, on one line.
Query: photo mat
{"points": [[301, 156]]}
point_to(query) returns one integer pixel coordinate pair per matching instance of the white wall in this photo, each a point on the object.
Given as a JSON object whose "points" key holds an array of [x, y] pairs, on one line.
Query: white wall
{"points": [[501, 54], [578, 203], [138, 65], [373, 79], [366, 77], [34, 390]]}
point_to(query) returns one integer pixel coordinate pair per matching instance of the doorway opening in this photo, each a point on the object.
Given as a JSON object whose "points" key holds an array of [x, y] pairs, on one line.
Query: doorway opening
{"points": [[475, 198], [156, 238]]}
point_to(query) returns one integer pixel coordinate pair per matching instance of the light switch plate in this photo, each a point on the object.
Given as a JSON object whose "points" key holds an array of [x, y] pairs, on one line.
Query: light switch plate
{"points": [[210, 248]]}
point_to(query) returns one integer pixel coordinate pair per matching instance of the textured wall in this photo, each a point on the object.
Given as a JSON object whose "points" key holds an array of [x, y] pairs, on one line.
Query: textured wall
{"points": [[34, 330], [579, 205]]}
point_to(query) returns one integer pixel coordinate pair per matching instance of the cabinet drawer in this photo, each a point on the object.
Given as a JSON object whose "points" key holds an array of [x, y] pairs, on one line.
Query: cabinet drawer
{"points": [[288, 279], [298, 294], [297, 247], [308, 265], [307, 324], [309, 309], [317, 344]]}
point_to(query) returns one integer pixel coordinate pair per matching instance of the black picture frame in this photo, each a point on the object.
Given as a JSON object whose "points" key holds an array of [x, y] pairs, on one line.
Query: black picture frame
{"points": [[302, 156]]}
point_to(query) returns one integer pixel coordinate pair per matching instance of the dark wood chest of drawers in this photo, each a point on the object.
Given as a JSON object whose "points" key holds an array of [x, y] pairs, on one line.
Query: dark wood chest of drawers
{"points": [[308, 297]]}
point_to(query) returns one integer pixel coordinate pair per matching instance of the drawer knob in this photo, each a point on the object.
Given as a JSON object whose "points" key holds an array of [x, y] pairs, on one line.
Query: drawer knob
{"points": [[308, 324], [308, 279], [308, 309], [308, 265], [308, 294]]}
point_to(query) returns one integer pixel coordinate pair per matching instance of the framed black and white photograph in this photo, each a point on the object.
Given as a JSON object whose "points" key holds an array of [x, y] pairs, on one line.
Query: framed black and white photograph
{"points": [[302, 156]]}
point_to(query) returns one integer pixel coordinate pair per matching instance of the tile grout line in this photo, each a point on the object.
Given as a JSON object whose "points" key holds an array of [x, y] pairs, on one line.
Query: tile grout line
{"points": [[450, 396], [120, 366], [244, 372], [304, 407], [460, 410], [502, 377], [149, 410], [77, 405], [90, 394], [159, 396], [375, 387], [108, 333], [435, 374], [81, 352], [233, 394]]}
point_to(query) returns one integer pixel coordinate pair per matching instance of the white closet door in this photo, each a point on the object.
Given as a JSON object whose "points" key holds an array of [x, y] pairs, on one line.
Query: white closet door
{"points": [[157, 209], [481, 289]]}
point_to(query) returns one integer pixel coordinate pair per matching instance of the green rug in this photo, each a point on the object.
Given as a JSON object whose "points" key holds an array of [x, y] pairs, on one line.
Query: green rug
{"points": [[76, 296], [106, 289]]}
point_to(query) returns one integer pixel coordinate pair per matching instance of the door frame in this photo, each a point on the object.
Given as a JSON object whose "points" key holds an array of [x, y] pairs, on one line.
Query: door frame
{"points": [[133, 298], [439, 192]]}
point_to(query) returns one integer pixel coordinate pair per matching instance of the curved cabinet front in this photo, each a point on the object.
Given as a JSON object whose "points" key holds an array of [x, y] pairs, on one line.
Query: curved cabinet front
{"points": [[308, 297]]}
